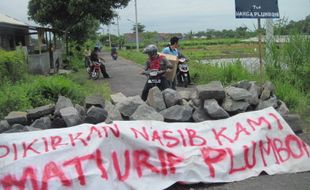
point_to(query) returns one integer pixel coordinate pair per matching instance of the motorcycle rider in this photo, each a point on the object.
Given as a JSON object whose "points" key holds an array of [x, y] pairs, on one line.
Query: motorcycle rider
{"points": [[155, 62], [94, 57], [172, 49], [114, 52]]}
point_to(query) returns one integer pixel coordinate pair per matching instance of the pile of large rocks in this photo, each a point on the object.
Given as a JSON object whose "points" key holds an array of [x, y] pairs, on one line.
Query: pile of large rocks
{"points": [[59, 115], [208, 102]]}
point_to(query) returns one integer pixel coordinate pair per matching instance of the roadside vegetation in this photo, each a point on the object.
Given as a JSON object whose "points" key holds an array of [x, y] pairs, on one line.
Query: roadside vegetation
{"points": [[20, 91]]}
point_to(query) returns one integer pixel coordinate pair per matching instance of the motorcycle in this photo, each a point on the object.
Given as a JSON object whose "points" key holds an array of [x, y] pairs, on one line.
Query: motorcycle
{"points": [[154, 76], [94, 70], [114, 56], [183, 72]]}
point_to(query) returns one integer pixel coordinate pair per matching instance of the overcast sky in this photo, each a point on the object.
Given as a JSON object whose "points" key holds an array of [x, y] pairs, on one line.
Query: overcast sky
{"points": [[178, 15]]}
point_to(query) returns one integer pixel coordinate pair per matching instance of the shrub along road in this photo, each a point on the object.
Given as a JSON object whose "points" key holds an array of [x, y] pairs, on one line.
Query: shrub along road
{"points": [[125, 78]]}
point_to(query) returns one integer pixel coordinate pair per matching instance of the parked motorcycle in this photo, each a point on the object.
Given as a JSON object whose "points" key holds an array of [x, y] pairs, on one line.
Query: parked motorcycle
{"points": [[94, 70], [183, 72]]}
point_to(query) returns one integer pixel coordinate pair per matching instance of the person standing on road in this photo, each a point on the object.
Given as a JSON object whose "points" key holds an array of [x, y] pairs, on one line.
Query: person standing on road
{"points": [[172, 49], [154, 62], [94, 56]]}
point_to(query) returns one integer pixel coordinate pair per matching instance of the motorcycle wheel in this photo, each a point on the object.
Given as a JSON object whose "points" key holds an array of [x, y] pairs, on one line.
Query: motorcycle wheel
{"points": [[185, 82], [95, 75]]}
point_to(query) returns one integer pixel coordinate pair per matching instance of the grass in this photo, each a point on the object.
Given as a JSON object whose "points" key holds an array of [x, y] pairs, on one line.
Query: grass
{"points": [[40, 90], [222, 51], [207, 52], [90, 86], [134, 56]]}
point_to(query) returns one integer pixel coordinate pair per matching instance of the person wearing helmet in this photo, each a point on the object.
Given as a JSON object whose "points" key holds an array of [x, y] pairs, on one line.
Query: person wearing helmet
{"points": [[155, 62]]}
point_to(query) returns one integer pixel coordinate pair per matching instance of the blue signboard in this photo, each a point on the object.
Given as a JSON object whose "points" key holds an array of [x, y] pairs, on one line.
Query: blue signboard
{"points": [[257, 9]]}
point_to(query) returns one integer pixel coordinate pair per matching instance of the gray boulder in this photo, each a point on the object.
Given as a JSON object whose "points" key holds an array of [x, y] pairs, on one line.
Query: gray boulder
{"points": [[145, 112], [58, 122], [185, 103], [94, 100], [271, 102], [42, 123], [255, 91], [81, 110], [234, 107], [155, 99], [214, 110], [4, 126], [295, 122], [62, 102], [177, 113], [96, 115], [212, 90], [129, 105], [200, 115], [113, 113], [71, 116], [16, 128], [196, 103], [17, 117], [243, 84], [171, 97], [268, 90], [29, 128], [238, 93], [117, 98], [41, 111], [282, 108], [185, 94]]}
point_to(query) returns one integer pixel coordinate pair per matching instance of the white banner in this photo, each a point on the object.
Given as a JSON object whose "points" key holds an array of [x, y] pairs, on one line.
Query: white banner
{"points": [[150, 154]]}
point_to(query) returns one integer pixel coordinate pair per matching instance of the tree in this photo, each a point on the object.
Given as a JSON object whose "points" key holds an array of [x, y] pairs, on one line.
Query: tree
{"points": [[65, 15], [141, 28]]}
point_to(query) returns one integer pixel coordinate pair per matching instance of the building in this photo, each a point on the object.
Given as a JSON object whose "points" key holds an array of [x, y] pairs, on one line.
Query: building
{"points": [[12, 33], [40, 44]]}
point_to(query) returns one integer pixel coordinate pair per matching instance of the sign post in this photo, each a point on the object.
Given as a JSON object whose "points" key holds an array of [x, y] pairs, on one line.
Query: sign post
{"points": [[257, 9], [260, 49]]}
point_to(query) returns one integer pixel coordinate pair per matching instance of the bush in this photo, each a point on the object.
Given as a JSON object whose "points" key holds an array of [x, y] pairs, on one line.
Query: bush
{"points": [[12, 66], [226, 73], [294, 98], [13, 98], [47, 89], [41, 91], [291, 62]]}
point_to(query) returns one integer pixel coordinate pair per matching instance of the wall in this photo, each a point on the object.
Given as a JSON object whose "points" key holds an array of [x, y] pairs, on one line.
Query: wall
{"points": [[39, 63]]}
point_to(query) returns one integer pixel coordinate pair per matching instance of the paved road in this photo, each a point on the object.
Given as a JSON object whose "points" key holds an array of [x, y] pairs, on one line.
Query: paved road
{"points": [[125, 76], [126, 79]]}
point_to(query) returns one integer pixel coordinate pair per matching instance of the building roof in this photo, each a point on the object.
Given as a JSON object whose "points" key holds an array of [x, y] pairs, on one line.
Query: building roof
{"points": [[9, 20]]}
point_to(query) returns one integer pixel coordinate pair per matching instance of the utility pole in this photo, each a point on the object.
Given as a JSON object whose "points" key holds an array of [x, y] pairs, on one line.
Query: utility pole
{"points": [[137, 34], [118, 33], [117, 20], [260, 49], [110, 44]]}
